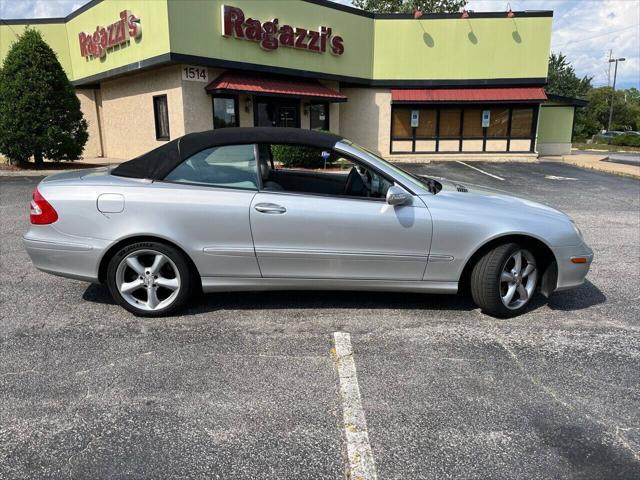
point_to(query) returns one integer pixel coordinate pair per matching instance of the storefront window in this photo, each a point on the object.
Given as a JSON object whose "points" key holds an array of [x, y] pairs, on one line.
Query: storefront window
{"points": [[521, 121], [319, 116], [225, 112], [472, 123], [401, 124], [161, 117], [449, 129], [499, 124], [426, 124], [450, 123]]}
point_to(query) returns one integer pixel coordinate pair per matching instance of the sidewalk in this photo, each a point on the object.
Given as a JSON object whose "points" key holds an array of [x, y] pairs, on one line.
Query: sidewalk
{"points": [[61, 167], [597, 162]]}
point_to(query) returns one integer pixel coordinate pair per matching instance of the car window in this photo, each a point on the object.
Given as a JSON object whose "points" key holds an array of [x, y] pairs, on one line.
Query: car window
{"points": [[304, 169], [229, 166]]}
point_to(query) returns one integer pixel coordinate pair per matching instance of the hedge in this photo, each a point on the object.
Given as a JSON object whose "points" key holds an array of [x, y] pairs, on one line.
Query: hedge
{"points": [[626, 140], [298, 156]]}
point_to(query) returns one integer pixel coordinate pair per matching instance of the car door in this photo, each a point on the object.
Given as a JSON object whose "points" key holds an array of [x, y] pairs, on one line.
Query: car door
{"points": [[323, 236], [205, 204]]}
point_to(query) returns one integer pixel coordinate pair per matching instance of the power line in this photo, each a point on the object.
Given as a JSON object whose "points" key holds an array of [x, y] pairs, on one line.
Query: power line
{"points": [[599, 35], [10, 27]]}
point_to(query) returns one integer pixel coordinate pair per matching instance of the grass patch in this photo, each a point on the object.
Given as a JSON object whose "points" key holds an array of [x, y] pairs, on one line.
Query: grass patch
{"points": [[605, 147]]}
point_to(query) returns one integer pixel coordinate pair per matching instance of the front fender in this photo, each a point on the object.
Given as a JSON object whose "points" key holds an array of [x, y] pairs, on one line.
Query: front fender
{"points": [[462, 225]]}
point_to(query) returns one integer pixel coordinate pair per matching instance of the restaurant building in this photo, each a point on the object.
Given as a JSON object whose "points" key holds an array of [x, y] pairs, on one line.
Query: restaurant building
{"points": [[441, 85]]}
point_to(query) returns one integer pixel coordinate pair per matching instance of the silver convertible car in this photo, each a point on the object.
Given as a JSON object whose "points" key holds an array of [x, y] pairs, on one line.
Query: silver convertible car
{"points": [[291, 209]]}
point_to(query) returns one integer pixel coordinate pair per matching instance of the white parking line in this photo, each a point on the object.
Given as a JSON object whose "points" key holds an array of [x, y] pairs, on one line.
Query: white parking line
{"points": [[481, 171], [555, 177], [361, 462]]}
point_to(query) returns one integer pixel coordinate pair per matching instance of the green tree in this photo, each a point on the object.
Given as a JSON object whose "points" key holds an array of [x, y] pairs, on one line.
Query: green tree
{"points": [[626, 110], [409, 6], [562, 79], [40, 113]]}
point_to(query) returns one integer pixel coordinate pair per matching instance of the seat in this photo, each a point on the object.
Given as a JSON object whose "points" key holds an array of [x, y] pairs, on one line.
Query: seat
{"points": [[355, 186], [264, 162]]}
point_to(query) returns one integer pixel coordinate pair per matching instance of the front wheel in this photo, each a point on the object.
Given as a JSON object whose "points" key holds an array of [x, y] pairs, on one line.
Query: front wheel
{"points": [[504, 280], [150, 279]]}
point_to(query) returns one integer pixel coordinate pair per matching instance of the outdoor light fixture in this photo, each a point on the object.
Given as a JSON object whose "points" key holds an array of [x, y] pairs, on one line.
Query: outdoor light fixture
{"points": [[417, 13], [510, 13], [247, 105], [613, 90], [465, 14]]}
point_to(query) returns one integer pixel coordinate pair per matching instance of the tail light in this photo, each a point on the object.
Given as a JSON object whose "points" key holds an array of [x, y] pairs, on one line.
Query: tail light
{"points": [[42, 213]]}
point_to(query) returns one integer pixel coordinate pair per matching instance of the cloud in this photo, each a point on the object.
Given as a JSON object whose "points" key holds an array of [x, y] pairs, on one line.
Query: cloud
{"points": [[38, 8], [583, 30]]}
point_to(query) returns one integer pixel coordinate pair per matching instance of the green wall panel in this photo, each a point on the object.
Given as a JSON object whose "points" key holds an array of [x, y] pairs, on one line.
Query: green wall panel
{"points": [[555, 124], [482, 48], [380, 49], [196, 29], [154, 40], [55, 34]]}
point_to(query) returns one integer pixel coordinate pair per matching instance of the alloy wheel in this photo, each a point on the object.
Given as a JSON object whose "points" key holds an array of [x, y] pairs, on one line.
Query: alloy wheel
{"points": [[148, 280], [518, 279]]}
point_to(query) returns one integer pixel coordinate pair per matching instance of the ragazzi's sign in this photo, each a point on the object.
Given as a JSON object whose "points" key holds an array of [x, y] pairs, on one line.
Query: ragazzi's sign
{"points": [[271, 35], [96, 44]]}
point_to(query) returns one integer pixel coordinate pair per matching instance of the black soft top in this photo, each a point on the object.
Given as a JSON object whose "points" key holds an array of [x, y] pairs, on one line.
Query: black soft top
{"points": [[157, 163]]}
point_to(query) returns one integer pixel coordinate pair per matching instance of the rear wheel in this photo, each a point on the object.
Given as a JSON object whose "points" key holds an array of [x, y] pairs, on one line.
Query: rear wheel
{"points": [[504, 280], [149, 279]]}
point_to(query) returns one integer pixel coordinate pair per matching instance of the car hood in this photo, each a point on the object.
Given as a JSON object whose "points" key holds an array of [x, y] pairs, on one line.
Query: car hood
{"points": [[499, 199], [496, 212]]}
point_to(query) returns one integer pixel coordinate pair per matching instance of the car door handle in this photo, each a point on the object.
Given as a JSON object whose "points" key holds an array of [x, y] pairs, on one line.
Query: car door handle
{"points": [[271, 208]]}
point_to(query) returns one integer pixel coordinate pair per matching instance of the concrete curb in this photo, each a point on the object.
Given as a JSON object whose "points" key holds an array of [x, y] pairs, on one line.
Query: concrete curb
{"points": [[598, 163], [46, 172], [30, 173], [413, 160]]}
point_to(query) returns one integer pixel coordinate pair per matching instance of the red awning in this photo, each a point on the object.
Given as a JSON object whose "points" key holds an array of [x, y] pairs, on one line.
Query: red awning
{"points": [[455, 95], [265, 84]]}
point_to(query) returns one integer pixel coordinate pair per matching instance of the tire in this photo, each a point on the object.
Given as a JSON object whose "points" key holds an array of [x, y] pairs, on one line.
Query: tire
{"points": [[150, 279], [496, 287]]}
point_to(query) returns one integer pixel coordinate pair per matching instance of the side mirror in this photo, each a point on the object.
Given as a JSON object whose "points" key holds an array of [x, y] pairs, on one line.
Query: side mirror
{"points": [[397, 195]]}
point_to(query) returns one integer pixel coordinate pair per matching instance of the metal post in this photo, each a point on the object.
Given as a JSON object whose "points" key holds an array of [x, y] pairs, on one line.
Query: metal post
{"points": [[613, 91]]}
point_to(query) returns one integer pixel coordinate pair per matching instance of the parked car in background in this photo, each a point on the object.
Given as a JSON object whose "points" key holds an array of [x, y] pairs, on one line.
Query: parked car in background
{"points": [[606, 137], [291, 209]]}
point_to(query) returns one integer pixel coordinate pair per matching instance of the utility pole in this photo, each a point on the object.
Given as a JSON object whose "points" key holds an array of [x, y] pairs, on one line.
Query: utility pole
{"points": [[613, 90], [609, 74]]}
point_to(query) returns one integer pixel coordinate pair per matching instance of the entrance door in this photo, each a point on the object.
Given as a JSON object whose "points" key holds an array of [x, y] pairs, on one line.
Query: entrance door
{"points": [[277, 112]]}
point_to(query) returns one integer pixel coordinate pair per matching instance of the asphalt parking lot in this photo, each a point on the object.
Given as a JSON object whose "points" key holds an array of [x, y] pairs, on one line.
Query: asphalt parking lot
{"points": [[244, 385]]}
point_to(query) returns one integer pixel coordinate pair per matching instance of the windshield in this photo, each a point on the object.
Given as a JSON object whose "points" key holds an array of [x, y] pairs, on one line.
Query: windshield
{"points": [[427, 183]]}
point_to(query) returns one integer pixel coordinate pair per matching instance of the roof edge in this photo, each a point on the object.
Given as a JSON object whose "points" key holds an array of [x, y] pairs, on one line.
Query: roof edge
{"points": [[576, 102], [176, 58], [321, 3]]}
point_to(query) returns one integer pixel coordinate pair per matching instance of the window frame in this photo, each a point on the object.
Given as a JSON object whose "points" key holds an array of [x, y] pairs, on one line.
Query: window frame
{"points": [[160, 137], [221, 187], [439, 107], [236, 106], [349, 157], [327, 106]]}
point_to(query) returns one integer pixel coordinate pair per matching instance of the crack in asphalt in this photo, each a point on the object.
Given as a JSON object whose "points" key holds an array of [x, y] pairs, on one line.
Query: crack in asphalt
{"points": [[550, 392]]}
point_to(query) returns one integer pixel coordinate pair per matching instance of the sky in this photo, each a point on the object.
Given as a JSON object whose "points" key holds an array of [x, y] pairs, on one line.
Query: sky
{"points": [[583, 30]]}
